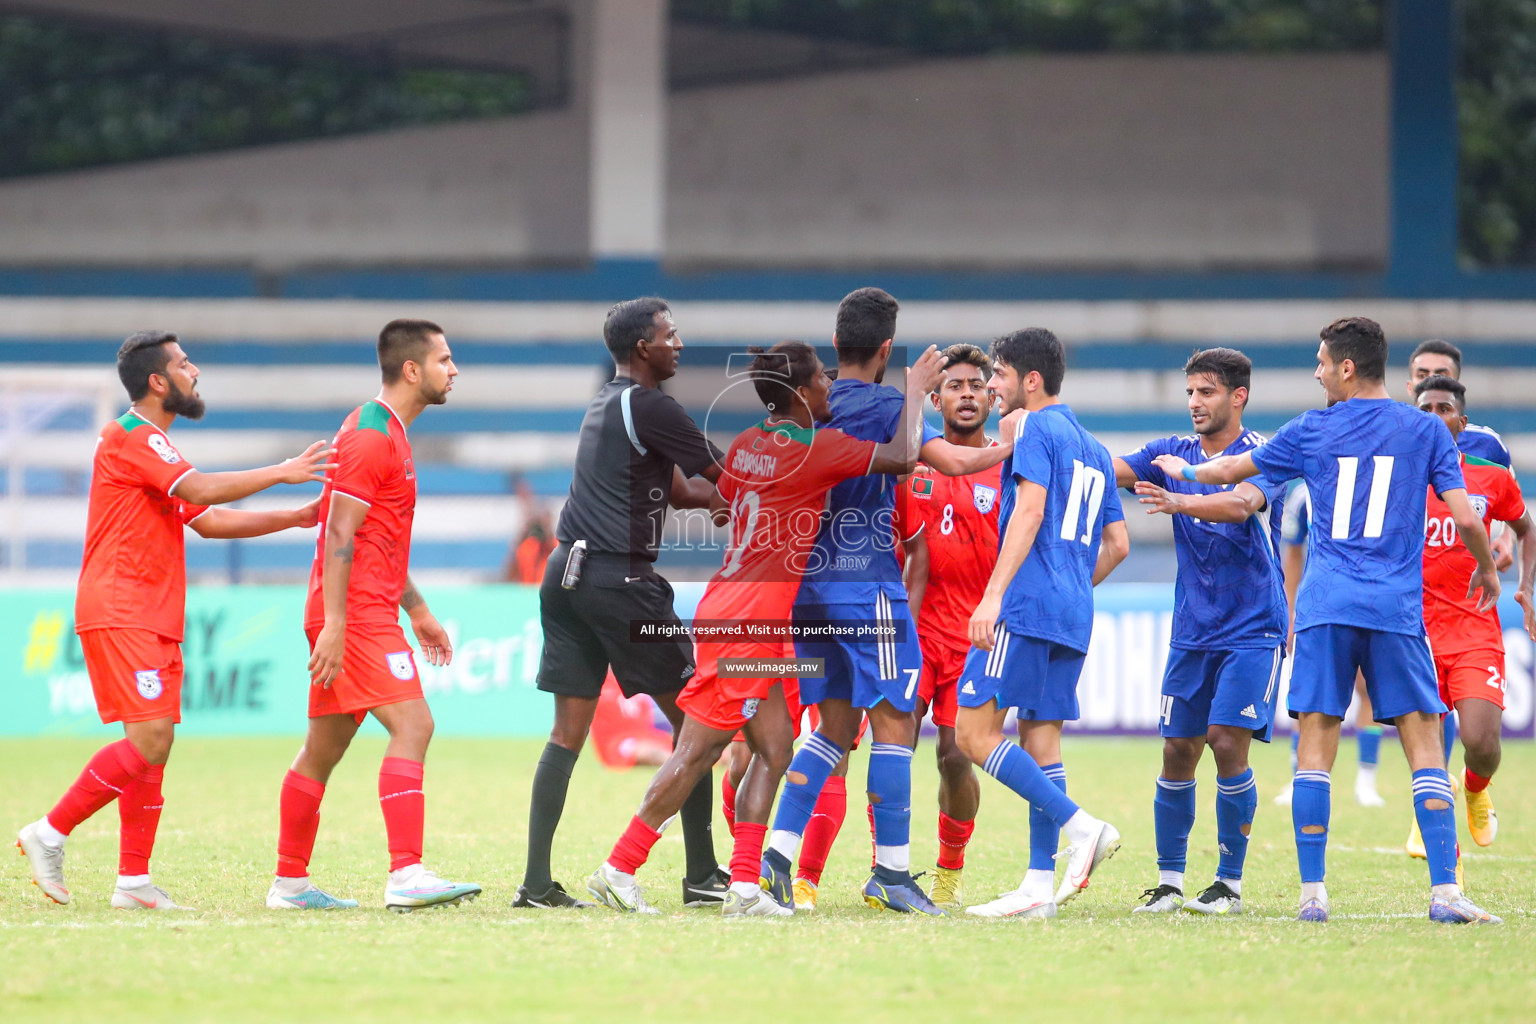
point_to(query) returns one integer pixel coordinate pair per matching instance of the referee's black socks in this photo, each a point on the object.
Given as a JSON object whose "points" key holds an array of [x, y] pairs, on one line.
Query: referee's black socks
{"points": [[550, 781], [698, 816]]}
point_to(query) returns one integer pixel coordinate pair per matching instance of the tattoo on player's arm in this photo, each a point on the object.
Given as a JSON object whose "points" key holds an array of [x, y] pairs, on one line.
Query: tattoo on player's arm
{"points": [[345, 551], [412, 598]]}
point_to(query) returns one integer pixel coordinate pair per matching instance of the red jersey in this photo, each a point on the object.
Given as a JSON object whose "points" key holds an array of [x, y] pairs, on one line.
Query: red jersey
{"points": [[134, 573], [960, 515], [776, 479], [373, 466], [1451, 618]]}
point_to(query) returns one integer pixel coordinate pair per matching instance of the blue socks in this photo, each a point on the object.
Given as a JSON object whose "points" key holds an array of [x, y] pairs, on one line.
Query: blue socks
{"points": [[1173, 815], [1237, 799], [1045, 834], [1438, 826], [1448, 731], [1015, 769], [814, 760], [1370, 744], [890, 798], [1311, 805]]}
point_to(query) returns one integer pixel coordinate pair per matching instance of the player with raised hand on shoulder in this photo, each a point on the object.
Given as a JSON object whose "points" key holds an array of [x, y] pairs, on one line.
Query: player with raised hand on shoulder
{"points": [[1229, 629], [1368, 463], [1063, 531], [130, 605], [360, 662]]}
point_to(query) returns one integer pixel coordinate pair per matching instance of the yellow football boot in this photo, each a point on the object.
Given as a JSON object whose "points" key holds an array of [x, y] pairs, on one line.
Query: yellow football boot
{"points": [[946, 888], [805, 895], [1482, 822]]}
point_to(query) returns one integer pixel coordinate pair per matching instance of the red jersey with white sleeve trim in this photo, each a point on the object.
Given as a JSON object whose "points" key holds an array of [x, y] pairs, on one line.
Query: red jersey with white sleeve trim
{"points": [[134, 572], [1450, 617], [776, 478], [373, 466], [960, 517]]}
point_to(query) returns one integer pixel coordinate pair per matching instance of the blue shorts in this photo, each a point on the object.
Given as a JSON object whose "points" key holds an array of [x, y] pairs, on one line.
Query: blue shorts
{"points": [[1036, 676], [864, 673], [1206, 688], [1399, 672]]}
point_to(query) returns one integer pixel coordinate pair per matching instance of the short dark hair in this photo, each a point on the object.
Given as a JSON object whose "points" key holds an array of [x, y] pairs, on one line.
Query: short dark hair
{"points": [[401, 341], [141, 354], [1360, 340], [1456, 388], [866, 319], [969, 355], [778, 371], [631, 321], [1037, 349], [1233, 369], [1438, 347]]}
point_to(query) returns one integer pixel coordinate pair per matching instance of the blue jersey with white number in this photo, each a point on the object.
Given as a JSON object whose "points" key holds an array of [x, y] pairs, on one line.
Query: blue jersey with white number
{"points": [[1228, 593], [855, 553], [1483, 443], [1051, 596], [1368, 464]]}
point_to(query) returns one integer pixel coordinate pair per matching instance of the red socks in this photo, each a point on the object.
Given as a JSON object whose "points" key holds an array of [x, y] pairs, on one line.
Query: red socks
{"points": [[298, 812], [953, 836], [633, 847], [405, 810], [728, 801], [747, 854], [1474, 782], [106, 775], [138, 810], [821, 831]]}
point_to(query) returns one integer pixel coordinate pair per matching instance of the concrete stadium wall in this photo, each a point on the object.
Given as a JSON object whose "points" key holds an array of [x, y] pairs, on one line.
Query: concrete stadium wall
{"points": [[1086, 161]]}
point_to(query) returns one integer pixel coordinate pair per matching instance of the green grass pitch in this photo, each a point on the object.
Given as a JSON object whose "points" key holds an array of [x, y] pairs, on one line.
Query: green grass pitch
{"points": [[233, 960]]}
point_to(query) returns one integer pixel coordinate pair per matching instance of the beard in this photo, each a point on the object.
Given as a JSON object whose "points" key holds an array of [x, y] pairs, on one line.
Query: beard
{"points": [[433, 397], [184, 403]]}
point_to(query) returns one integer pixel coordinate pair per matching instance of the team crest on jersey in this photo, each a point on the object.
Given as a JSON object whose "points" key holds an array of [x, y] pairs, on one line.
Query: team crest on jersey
{"points": [[400, 665], [410, 470], [162, 448], [1479, 504], [985, 497], [749, 707], [149, 684]]}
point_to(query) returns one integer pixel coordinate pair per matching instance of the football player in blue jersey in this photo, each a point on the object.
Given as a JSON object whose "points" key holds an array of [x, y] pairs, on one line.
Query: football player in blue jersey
{"points": [[1061, 531], [1368, 463], [1229, 627]]}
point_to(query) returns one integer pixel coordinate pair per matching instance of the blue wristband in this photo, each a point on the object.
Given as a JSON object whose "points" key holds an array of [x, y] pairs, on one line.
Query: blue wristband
{"points": [[1188, 473]]}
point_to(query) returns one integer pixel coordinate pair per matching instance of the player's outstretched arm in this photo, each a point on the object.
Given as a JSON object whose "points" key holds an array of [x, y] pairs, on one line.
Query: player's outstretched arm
{"points": [[690, 492], [1233, 506], [1524, 530], [234, 523], [1125, 476], [218, 488], [1470, 526], [1017, 542], [899, 455], [345, 516], [1224, 469], [963, 460], [1114, 546], [433, 638]]}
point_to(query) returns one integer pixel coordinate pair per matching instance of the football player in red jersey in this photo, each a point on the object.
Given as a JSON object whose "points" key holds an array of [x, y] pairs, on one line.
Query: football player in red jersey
{"points": [[1468, 645], [131, 600], [776, 478], [959, 514]]}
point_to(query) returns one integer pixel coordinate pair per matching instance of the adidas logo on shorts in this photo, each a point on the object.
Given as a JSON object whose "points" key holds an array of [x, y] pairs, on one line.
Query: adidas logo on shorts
{"points": [[968, 689], [1248, 712]]}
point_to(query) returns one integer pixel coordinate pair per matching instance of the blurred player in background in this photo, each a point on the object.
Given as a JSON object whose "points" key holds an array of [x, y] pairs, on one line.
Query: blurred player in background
{"points": [[1229, 627], [130, 605], [1468, 643], [776, 479], [1063, 532], [360, 662], [1368, 463]]}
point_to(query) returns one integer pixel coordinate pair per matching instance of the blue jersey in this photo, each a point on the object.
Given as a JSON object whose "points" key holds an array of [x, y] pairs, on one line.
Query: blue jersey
{"points": [[1368, 464], [1228, 593], [1051, 596], [1483, 443], [855, 553]]}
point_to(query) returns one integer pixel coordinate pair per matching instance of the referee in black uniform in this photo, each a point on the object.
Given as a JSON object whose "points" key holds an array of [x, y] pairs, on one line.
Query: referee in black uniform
{"points": [[638, 452]]}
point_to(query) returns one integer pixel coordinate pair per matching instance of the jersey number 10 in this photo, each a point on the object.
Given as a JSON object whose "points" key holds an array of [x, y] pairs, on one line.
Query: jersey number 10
{"points": [[1376, 504], [1087, 491]]}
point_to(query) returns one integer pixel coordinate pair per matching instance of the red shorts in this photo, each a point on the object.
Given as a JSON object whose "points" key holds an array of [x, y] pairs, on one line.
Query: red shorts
{"points": [[1470, 674], [728, 703], [942, 665], [796, 710], [377, 668], [135, 674]]}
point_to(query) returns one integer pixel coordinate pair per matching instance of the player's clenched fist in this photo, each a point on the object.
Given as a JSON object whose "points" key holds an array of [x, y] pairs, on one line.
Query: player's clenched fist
{"points": [[310, 466]]}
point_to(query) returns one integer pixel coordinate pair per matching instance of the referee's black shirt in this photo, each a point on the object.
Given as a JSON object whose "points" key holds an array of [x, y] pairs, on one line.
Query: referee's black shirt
{"points": [[631, 437]]}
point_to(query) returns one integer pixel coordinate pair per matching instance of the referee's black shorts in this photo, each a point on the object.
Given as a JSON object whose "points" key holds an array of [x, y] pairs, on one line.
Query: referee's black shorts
{"points": [[587, 630]]}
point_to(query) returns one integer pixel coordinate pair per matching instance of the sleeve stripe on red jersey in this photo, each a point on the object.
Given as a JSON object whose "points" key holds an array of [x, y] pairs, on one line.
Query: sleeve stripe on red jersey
{"points": [[200, 515], [171, 490], [344, 494]]}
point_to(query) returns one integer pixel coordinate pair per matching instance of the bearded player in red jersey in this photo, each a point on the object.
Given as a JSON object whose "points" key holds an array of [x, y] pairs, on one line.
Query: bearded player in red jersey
{"points": [[959, 514], [131, 600], [1468, 645], [359, 661], [776, 478]]}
